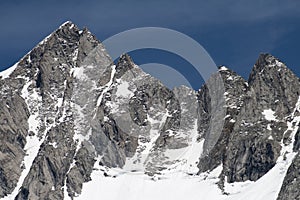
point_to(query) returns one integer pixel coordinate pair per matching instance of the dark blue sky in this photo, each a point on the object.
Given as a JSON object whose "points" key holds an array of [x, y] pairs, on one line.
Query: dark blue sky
{"points": [[233, 32]]}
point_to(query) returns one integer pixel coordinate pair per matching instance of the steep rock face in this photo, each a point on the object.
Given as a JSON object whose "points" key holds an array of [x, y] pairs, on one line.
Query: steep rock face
{"points": [[291, 184], [47, 91], [46, 81], [255, 142], [235, 90], [121, 142], [47, 174], [145, 117], [39, 79], [13, 131]]}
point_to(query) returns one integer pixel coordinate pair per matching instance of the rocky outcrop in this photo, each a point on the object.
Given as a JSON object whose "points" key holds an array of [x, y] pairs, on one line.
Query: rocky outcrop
{"points": [[235, 92]]}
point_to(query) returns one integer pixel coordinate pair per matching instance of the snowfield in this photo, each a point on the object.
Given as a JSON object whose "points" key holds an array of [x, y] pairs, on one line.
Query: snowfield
{"points": [[178, 185], [136, 186]]}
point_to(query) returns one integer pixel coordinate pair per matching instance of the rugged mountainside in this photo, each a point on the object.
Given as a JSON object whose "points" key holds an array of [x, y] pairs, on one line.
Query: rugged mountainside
{"points": [[67, 111]]}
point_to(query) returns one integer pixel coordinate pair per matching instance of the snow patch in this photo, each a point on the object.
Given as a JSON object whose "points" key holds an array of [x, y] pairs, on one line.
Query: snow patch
{"points": [[54, 144], [6, 73], [270, 137], [78, 73], [107, 86], [232, 121], [230, 78], [65, 23], [223, 68], [123, 91], [269, 115]]}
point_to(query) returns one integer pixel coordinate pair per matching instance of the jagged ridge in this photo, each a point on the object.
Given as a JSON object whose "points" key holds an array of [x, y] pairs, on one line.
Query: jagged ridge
{"points": [[65, 114]]}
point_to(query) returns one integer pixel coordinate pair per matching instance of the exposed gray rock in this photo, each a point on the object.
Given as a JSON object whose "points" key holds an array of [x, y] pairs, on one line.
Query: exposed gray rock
{"points": [[13, 131], [250, 143], [291, 184], [80, 173], [251, 152], [235, 90], [47, 174]]}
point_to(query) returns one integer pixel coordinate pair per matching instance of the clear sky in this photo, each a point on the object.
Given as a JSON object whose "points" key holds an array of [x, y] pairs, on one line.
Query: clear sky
{"points": [[234, 32]]}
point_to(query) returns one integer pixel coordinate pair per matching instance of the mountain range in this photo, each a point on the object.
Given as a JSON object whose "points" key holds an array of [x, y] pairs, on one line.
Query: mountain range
{"points": [[76, 125]]}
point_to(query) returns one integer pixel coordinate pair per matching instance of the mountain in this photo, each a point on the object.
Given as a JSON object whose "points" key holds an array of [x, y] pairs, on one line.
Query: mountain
{"points": [[76, 125]]}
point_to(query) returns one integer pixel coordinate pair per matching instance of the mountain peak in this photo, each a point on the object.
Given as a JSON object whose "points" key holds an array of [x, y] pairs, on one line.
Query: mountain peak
{"points": [[229, 75], [267, 60], [66, 31], [223, 68], [124, 64], [266, 65], [67, 24], [125, 58]]}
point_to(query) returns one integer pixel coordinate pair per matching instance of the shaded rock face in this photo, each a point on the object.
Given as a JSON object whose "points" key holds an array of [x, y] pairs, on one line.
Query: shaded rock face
{"points": [[291, 183], [297, 141], [13, 132], [234, 94], [250, 142], [67, 110], [50, 167], [272, 87]]}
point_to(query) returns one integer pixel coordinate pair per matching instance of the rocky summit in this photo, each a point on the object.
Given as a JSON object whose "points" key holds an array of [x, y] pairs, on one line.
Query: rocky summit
{"points": [[76, 125]]}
